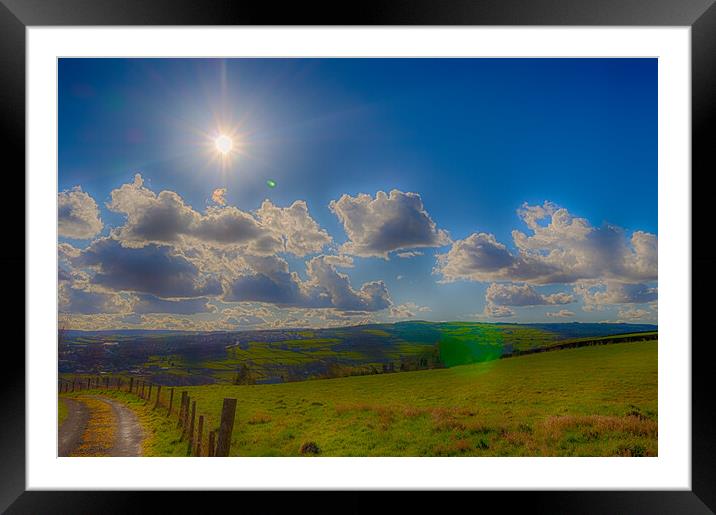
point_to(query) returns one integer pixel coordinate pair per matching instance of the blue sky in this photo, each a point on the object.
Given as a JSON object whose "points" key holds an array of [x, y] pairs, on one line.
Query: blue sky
{"points": [[475, 140]]}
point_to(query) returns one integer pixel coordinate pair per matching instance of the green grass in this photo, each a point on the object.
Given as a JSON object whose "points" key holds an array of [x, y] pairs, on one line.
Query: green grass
{"points": [[61, 411], [591, 401]]}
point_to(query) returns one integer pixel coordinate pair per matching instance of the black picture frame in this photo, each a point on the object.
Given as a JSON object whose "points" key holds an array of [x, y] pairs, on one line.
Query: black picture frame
{"points": [[700, 15]]}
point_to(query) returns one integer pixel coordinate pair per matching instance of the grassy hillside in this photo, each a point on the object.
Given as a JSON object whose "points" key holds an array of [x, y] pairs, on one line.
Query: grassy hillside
{"points": [[287, 355], [590, 401]]}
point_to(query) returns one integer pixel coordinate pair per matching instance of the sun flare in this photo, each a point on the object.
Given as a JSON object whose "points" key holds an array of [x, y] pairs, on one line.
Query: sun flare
{"points": [[223, 144]]}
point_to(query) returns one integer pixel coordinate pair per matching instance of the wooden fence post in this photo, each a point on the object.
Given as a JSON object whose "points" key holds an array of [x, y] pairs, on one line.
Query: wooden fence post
{"points": [[191, 426], [171, 401], [88, 383], [131, 384], [199, 435], [159, 393], [185, 418], [210, 450], [181, 408], [228, 412], [149, 394]]}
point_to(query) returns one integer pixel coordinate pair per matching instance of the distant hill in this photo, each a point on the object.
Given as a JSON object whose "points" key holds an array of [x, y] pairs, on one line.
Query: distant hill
{"points": [[286, 355]]}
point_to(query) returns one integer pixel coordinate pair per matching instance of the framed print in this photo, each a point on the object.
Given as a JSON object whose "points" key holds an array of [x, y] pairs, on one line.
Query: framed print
{"points": [[440, 249]]}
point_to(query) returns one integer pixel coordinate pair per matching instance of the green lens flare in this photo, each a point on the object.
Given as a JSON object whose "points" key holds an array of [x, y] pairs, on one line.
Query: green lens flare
{"points": [[271, 183]]}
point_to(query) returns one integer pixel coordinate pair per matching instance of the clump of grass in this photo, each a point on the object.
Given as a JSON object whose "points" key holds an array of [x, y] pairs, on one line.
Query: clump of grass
{"points": [[412, 411], [309, 448], [599, 424], [259, 418], [385, 417], [61, 411], [631, 450], [479, 427], [525, 428], [463, 445], [635, 411], [446, 420]]}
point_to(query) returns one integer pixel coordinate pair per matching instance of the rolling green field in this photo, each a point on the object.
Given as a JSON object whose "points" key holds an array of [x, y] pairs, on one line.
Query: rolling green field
{"points": [[590, 401], [282, 356]]}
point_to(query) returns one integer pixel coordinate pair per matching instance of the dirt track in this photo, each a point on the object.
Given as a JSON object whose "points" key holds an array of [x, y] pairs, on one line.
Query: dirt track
{"points": [[72, 428], [79, 426]]}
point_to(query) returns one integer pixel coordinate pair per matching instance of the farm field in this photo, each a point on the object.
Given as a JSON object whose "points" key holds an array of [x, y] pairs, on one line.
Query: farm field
{"points": [[279, 356], [590, 401]]}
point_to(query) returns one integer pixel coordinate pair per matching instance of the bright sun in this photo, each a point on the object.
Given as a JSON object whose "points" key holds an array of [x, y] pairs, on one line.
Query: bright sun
{"points": [[223, 144]]}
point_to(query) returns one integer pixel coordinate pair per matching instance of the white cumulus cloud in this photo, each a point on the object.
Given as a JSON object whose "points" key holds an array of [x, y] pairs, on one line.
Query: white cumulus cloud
{"points": [[523, 295], [77, 215], [560, 249], [386, 223]]}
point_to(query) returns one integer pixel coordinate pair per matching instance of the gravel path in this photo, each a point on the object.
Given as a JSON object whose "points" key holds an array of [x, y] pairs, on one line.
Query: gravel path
{"points": [[72, 427], [128, 431]]}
